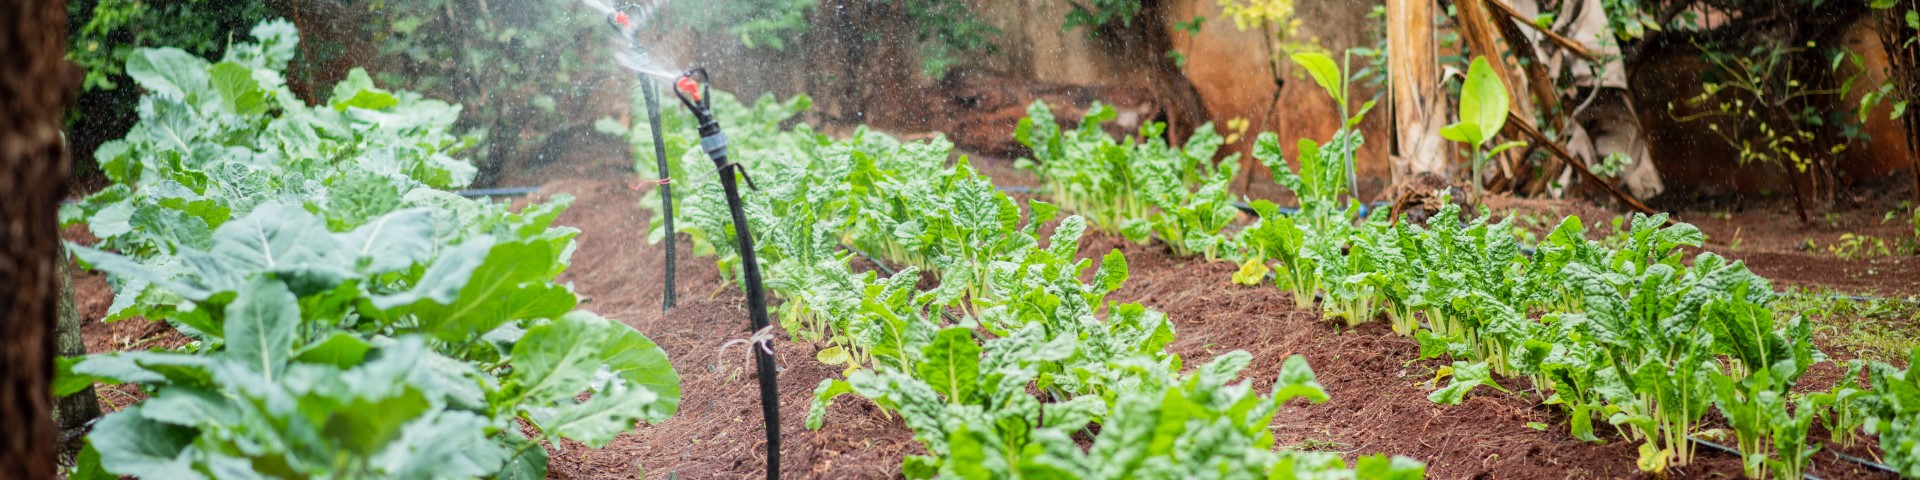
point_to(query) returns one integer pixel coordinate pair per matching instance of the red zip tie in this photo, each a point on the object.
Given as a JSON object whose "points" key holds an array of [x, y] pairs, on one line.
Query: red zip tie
{"points": [[635, 185]]}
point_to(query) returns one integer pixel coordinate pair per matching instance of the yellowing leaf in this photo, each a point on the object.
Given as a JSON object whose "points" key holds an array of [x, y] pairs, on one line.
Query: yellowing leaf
{"points": [[834, 355], [1252, 272]]}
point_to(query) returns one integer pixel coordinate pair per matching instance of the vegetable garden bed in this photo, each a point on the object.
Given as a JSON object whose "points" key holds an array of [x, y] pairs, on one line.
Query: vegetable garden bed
{"points": [[1013, 335], [1378, 401]]}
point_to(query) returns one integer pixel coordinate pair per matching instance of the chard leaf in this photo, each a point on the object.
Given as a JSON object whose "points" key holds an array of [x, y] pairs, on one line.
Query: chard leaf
{"points": [[952, 365], [1466, 376], [1297, 381]]}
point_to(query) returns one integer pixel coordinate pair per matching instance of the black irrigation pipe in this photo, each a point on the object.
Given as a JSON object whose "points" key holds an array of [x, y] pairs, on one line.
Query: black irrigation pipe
{"points": [[693, 90], [1736, 453], [498, 192], [1868, 463], [651, 92]]}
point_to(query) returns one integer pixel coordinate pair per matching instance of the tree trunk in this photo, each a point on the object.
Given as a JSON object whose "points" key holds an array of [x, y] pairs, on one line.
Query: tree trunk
{"points": [[36, 86], [1903, 68], [1144, 41], [72, 413], [1419, 106]]}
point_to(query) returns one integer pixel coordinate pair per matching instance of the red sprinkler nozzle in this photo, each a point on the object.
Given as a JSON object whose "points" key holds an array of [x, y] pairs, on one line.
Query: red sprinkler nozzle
{"points": [[689, 87], [621, 18]]}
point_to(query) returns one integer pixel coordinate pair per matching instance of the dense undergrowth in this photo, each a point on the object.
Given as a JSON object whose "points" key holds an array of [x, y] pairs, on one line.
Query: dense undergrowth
{"points": [[348, 317]]}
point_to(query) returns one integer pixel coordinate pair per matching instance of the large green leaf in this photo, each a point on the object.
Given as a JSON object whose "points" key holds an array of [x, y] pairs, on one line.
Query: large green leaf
{"points": [[511, 284], [131, 444], [629, 376], [260, 326], [952, 364], [239, 92], [1324, 72], [169, 72], [393, 241], [1297, 381], [1483, 106], [449, 444]]}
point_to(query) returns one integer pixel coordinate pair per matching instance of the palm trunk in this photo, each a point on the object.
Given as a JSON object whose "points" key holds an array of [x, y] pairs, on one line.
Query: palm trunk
{"points": [[36, 86]]}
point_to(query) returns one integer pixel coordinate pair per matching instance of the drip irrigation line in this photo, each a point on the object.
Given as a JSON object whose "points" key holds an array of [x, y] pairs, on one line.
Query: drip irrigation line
{"points": [[652, 94], [498, 192], [1868, 463], [1736, 453]]}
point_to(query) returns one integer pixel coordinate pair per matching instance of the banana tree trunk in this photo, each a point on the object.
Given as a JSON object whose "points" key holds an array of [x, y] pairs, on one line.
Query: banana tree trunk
{"points": [[1419, 106]]}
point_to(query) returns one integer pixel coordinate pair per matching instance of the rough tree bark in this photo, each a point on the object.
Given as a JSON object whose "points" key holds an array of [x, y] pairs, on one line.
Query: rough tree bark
{"points": [[1903, 65], [73, 413], [1420, 109], [1144, 41], [35, 88]]}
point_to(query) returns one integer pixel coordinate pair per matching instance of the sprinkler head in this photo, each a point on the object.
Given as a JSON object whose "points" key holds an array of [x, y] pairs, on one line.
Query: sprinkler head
{"points": [[622, 19], [688, 86]]}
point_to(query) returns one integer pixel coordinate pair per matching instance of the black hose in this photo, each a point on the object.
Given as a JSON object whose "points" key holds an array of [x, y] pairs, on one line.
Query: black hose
{"points": [[652, 93], [1736, 453], [715, 143], [497, 192]]}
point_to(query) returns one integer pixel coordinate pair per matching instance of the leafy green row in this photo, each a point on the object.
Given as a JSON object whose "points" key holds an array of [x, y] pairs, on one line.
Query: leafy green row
{"points": [[1626, 332], [347, 318], [1140, 190], [1036, 356]]}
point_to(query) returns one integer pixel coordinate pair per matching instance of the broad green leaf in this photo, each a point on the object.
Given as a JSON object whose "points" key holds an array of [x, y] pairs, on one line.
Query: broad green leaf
{"points": [[451, 444], [1324, 72], [65, 381], [629, 376], [1483, 104], [131, 444], [169, 72], [952, 364], [1463, 132], [190, 407], [394, 241], [1465, 377], [239, 93], [1297, 381], [342, 349], [261, 325]]}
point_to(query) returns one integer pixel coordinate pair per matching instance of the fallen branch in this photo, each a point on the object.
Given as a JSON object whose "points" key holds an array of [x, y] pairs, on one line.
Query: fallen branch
{"points": [[1526, 128], [1571, 45]]}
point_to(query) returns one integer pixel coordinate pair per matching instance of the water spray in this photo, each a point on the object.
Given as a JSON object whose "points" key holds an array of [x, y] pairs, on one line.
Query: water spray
{"points": [[693, 90]]}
